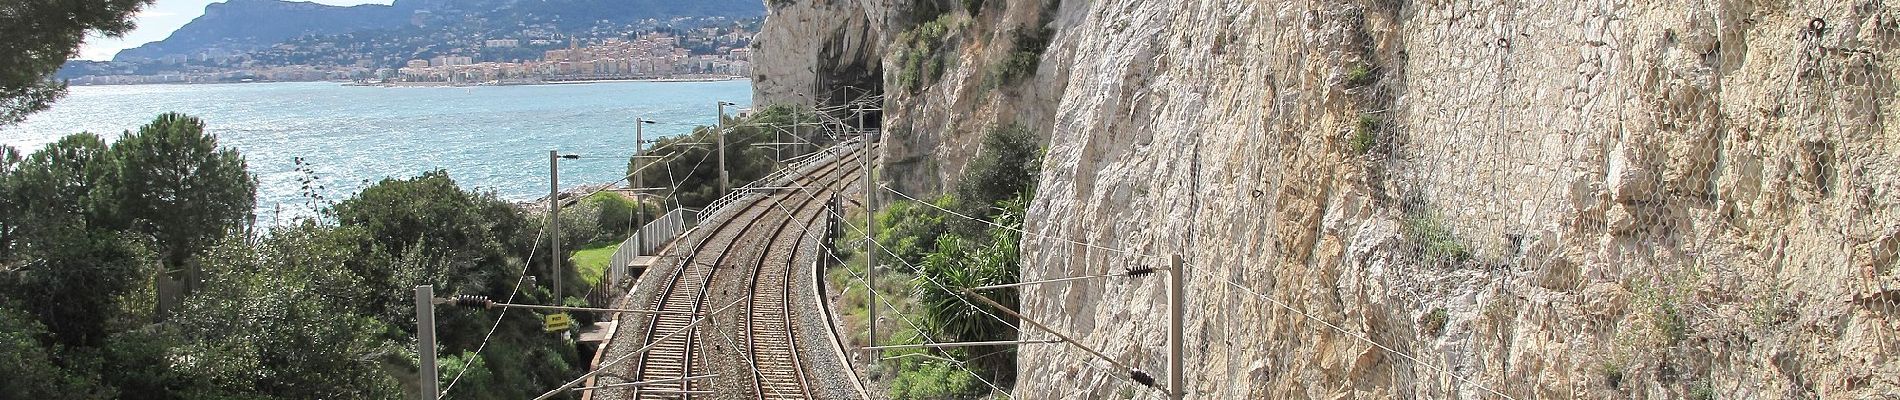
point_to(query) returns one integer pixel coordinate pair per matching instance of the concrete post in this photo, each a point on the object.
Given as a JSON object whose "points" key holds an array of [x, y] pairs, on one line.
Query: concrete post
{"points": [[725, 184], [425, 341]]}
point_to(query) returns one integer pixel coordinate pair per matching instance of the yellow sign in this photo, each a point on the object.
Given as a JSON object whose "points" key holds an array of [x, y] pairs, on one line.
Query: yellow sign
{"points": [[558, 322]]}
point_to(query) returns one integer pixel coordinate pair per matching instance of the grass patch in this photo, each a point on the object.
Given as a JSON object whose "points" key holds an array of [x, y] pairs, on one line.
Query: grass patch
{"points": [[591, 262]]}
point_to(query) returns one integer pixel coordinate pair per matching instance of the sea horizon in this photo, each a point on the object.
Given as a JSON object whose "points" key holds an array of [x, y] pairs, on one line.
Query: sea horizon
{"points": [[492, 138]]}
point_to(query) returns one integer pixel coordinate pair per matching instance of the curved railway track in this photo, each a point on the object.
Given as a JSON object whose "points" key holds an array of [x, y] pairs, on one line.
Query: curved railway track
{"points": [[769, 341]]}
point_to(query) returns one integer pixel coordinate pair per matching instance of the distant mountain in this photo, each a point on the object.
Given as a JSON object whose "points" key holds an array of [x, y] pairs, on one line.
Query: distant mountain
{"points": [[243, 25], [237, 26]]}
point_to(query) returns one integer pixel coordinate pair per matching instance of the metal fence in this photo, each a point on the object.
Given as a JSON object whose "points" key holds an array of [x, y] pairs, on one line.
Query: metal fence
{"points": [[676, 223], [781, 176], [649, 239]]}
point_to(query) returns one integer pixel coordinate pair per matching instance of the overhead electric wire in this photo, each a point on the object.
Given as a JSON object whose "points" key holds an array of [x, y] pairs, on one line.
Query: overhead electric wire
{"points": [[1018, 230], [1271, 299], [499, 315]]}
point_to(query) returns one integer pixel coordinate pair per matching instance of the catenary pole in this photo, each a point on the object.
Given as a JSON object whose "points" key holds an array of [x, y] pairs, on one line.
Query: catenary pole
{"points": [[725, 184], [554, 220], [425, 342], [1176, 311], [870, 236]]}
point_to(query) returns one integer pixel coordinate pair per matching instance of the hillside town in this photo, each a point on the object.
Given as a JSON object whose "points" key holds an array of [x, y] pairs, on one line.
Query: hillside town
{"points": [[651, 56], [525, 57]]}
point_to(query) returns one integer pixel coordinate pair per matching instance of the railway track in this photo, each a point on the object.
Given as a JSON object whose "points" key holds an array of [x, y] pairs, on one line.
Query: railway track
{"points": [[765, 235]]}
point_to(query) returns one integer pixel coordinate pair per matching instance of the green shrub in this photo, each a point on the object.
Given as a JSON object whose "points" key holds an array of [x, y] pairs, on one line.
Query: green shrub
{"points": [[1702, 391], [1434, 322], [934, 379], [1612, 373], [921, 53], [1023, 60], [1434, 239], [1005, 168], [1670, 322], [1364, 135], [1359, 75], [615, 215]]}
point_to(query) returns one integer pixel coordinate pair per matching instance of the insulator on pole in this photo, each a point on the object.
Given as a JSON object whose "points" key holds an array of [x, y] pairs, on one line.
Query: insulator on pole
{"points": [[1142, 377], [473, 301]]}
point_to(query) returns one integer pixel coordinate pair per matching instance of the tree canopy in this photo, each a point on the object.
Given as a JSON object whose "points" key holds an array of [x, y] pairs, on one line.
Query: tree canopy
{"points": [[184, 190], [690, 163], [40, 36], [320, 308]]}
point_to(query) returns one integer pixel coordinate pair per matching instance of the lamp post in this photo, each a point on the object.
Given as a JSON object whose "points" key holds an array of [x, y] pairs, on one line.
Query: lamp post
{"points": [[725, 184], [554, 217], [639, 177]]}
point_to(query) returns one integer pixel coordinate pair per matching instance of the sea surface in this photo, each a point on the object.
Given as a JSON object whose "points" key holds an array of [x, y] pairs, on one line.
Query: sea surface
{"points": [[492, 138]]}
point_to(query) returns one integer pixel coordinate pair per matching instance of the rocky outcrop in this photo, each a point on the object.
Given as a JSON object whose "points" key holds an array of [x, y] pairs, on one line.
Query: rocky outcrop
{"points": [[1444, 199], [1428, 199], [817, 52]]}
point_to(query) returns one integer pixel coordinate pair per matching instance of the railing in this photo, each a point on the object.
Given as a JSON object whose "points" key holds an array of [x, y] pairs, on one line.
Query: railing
{"points": [[647, 240], [777, 178], [675, 223]]}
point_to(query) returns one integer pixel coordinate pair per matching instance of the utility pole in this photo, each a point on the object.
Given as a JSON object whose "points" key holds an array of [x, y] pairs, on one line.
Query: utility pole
{"points": [[639, 178], [725, 184], [554, 220], [1176, 306], [554, 217], [870, 235], [425, 341]]}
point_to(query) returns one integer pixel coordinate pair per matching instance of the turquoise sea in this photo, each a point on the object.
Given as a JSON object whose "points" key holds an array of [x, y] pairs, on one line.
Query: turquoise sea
{"points": [[491, 138]]}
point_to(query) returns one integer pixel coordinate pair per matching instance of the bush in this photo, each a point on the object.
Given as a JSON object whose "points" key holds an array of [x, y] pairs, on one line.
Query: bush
{"points": [[1024, 59], [934, 379], [1005, 168], [692, 170], [1364, 136], [1433, 239], [1359, 75], [1670, 322], [615, 215], [1434, 322], [1612, 373], [31, 364], [921, 53], [1702, 390]]}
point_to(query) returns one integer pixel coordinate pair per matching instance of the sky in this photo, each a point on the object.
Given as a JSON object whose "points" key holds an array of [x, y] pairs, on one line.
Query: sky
{"points": [[157, 21]]}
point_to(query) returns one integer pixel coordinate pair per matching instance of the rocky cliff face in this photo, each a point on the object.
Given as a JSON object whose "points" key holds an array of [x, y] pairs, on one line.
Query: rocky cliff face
{"points": [[1393, 199], [810, 52]]}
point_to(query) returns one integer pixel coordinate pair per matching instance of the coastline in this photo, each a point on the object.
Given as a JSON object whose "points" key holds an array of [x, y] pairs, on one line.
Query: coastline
{"points": [[541, 83]]}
